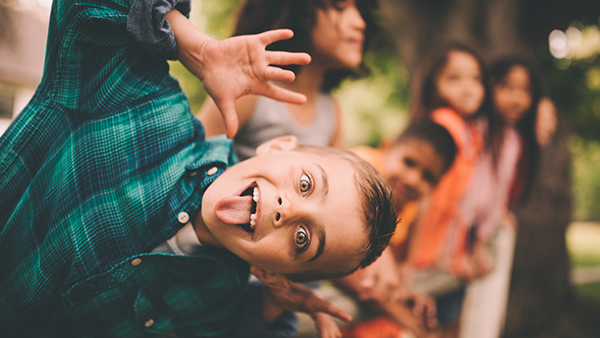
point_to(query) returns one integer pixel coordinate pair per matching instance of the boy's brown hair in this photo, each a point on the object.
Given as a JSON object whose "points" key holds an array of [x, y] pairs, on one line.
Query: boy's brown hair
{"points": [[379, 211]]}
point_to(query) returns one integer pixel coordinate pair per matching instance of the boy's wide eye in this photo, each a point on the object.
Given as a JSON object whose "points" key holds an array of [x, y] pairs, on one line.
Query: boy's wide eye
{"points": [[301, 238], [305, 184]]}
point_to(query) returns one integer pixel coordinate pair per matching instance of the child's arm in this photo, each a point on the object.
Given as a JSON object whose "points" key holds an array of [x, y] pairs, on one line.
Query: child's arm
{"points": [[297, 297], [338, 136], [236, 66], [379, 282]]}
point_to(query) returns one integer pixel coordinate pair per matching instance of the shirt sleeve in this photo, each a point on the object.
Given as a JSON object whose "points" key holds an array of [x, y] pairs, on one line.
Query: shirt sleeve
{"points": [[250, 323], [147, 25]]}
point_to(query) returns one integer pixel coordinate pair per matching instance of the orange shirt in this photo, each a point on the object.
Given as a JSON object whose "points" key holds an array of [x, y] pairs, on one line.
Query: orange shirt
{"points": [[443, 211]]}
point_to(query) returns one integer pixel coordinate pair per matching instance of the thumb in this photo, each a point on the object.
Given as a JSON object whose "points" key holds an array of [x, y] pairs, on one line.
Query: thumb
{"points": [[227, 108]]}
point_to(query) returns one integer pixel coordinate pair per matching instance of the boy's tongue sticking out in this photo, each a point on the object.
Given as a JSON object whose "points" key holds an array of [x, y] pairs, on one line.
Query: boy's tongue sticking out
{"points": [[239, 210], [234, 209]]}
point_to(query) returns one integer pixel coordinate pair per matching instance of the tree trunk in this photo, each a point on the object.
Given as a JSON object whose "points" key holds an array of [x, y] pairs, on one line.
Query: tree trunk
{"points": [[540, 291]]}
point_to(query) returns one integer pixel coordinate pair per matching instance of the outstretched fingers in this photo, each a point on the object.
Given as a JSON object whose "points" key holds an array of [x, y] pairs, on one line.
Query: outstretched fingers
{"points": [[280, 94], [268, 37], [323, 306], [326, 326], [288, 58], [279, 75]]}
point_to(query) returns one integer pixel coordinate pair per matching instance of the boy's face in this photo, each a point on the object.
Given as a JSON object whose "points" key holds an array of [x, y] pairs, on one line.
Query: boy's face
{"points": [[307, 217], [412, 168]]}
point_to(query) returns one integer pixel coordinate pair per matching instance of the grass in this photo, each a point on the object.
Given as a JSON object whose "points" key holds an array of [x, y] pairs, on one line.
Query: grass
{"points": [[583, 243], [589, 291]]}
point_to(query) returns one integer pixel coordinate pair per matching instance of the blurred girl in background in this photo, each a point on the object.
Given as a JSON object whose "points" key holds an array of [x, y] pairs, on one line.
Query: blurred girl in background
{"points": [[335, 33], [517, 91]]}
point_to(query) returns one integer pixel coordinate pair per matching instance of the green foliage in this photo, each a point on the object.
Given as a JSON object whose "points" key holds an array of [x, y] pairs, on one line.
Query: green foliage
{"points": [[586, 178], [375, 108], [589, 292], [582, 242], [574, 85]]}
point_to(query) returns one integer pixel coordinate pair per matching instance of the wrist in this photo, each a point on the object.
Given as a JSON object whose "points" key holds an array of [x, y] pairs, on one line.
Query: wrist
{"points": [[191, 42]]}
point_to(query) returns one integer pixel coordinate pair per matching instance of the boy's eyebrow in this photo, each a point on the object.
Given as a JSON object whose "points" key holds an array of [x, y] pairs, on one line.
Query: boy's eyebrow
{"points": [[325, 190], [321, 247]]}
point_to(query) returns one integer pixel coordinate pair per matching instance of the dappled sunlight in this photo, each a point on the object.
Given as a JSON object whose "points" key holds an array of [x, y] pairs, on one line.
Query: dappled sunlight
{"points": [[574, 43]]}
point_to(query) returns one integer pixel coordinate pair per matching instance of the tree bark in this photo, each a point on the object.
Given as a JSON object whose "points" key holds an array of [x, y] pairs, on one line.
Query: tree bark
{"points": [[540, 291]]}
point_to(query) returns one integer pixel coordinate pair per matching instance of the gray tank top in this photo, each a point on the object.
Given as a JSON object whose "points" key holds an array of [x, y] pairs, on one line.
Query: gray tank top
{"points": [[271, 119]]}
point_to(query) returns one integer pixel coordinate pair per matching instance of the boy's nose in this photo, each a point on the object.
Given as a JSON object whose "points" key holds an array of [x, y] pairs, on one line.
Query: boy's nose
{"points": [[286, 212]]}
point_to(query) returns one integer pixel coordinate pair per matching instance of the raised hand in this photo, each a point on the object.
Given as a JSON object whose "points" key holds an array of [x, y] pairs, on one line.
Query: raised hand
{"points": [[236, 66], [297, 297]]}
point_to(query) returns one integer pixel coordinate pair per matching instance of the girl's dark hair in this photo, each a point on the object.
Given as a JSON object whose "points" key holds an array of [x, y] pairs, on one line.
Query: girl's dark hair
{"points": [[426, 99], [526, 126], [257, 16]]}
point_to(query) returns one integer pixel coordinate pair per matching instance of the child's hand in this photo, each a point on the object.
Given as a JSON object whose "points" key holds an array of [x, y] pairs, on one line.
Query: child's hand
{"points": [[297, 297], [482, 259], [416, 312], [423, 306], [326, 327], [236, 66], [380, 282]]}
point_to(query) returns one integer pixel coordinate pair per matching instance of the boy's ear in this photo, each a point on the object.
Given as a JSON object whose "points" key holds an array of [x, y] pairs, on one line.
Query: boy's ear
{"points": [[270, 279], [282, 143]]}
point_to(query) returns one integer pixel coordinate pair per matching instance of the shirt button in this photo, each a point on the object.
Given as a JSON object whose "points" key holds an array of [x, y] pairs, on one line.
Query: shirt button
{"points": [[136, 261], [183, 217], [149, 323], [193, 173], [212, 171]]}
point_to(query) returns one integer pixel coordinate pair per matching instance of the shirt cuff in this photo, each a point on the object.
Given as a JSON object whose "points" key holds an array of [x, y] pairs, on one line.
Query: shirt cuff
{"points": [[147, 25]]}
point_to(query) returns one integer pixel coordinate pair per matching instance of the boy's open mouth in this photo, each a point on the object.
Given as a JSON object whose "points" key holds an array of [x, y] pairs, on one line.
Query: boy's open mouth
{"points": [[251, 191], [240, 210]]}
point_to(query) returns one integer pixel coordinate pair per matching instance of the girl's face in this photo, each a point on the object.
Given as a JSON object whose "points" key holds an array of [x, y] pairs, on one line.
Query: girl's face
{"points": [[338, 35], [459, 83], [512, 95]]}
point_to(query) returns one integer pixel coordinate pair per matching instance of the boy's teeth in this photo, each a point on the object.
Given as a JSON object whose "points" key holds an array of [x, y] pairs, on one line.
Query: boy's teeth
{"points": [[253, 216]]}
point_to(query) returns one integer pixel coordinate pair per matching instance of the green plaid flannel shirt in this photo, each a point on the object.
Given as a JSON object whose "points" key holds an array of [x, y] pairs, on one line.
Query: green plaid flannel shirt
{"points": [[105, 163]]}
